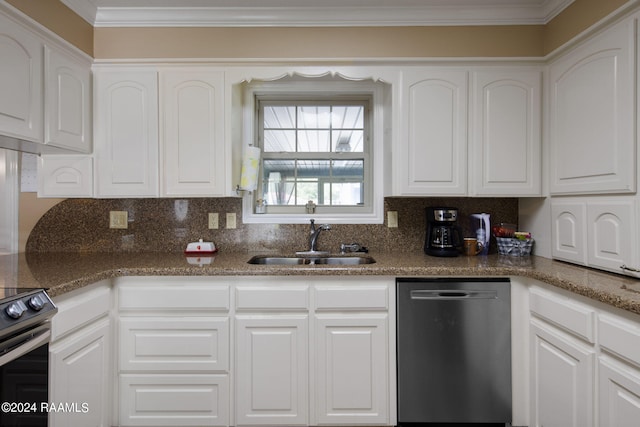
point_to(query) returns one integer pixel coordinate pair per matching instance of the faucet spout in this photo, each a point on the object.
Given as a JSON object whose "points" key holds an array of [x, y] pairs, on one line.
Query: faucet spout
{"points": [[315, 232]]}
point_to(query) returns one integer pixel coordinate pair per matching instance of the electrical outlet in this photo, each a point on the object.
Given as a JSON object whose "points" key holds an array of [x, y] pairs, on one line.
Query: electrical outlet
{"points": [[392, 219], [231, 220], [213, 221], [118, 219]]}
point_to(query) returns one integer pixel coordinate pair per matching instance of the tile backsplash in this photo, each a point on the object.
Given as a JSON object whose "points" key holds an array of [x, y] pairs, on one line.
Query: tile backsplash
{"points": [[167, 225]]}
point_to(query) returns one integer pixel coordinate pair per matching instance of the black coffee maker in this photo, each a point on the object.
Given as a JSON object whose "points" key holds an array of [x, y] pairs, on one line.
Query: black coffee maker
{"points": [[444, 237]]}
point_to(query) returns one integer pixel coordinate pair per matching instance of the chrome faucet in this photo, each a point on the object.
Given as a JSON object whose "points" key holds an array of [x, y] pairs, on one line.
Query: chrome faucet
{"points": [[314, 232]]}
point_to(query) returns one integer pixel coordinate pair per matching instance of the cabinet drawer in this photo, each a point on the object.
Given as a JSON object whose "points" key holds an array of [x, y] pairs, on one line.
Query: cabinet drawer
{"points": [[174, 344], [351, 297], [77, 310], [568, 315], [174, 297], [272, 297], [620, 337], [170, 400]]}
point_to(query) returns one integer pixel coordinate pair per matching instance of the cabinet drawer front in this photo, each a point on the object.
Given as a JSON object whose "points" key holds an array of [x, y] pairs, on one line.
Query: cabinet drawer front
{"points": [[620, 337], [351, 297], [570, 316], [75, 312], [174, 297], [272, 297], [170, 400], [174, 344]]}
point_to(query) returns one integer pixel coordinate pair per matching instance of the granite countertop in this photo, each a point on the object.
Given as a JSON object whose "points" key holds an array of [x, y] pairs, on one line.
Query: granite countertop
{"points": [[63, 272]]}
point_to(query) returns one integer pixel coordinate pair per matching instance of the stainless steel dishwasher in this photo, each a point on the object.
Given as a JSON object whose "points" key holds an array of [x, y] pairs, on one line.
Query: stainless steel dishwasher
{"points": [[454, 351]]}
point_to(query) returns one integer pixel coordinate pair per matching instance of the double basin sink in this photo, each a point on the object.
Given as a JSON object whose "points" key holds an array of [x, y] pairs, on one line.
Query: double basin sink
{"points": [[311, 260]]}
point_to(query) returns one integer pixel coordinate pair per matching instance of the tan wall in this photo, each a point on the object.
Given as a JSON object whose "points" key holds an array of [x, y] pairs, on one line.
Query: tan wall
{"points": [[340, 42], [359, 42], [58, 18], [31, 209], [367, 42]]}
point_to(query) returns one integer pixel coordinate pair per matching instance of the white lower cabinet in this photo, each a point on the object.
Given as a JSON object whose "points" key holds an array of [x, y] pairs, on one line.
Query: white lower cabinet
{"points": [[79, 359], [80, 377], [173, 358], [562, 335], [585, 362], [619, 396], [237, 351], [351, 369], [272, 370], [314, 351], [562, 370]]}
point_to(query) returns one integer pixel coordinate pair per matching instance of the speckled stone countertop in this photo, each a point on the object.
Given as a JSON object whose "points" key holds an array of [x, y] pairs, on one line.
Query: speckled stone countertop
{"points": [[65, 272]]}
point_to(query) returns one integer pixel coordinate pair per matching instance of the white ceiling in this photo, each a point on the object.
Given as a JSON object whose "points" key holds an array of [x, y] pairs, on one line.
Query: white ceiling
{"points": [[270, 13]]}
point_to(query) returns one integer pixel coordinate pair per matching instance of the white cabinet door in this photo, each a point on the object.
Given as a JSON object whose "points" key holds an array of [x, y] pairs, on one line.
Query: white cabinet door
{"points": [[619, 399], [193, 133], [505, 142], [591, 112], [352, 369], [126, 134], [569, 230], [68, 102], [612, 233], [21, 86], [562, 379], [65, 176], [79, 372], [272, 370], [432, 151]]}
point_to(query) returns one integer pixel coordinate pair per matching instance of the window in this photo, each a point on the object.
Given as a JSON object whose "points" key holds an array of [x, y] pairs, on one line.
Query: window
{"points": [[314, 151], [321, 140]]}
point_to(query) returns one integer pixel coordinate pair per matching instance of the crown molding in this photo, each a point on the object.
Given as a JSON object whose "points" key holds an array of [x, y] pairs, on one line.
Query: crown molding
{"points": [[303, 13]]}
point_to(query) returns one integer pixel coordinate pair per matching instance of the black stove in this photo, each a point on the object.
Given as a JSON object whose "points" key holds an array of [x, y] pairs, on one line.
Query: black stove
{"points": [[25, 315], [23, 308]]}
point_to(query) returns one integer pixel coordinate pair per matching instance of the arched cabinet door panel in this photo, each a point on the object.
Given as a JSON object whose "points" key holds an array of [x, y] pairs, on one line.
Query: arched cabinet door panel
{"points": [[126, 145], [192, 136], [432, 152], [591, 115], [21, 114]]}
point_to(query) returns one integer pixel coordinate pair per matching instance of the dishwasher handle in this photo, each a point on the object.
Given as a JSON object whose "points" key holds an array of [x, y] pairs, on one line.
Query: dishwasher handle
{"points": [[451, 294]]}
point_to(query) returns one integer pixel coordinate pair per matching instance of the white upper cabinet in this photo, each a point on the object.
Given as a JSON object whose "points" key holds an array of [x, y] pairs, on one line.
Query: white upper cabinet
{"points": [[68, 101], [502, 154], [432, 151], [505, 137], [591, 114], [193, 132], [21, 86], [126, 132], [599, 232], [65, 175]]}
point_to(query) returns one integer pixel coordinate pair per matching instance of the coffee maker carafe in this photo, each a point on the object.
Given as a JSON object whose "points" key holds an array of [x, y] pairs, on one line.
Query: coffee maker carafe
{"points": [[444, 237]]}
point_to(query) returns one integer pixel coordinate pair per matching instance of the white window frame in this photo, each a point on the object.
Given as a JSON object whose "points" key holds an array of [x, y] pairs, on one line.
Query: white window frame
{"points": [[372, 213]]}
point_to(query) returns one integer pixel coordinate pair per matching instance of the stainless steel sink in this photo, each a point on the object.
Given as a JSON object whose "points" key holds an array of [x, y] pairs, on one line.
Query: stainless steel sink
{"points": [[328, 260]]}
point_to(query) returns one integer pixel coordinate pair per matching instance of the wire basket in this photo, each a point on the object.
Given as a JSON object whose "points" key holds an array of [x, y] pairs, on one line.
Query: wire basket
{"points": [[514, 247]]}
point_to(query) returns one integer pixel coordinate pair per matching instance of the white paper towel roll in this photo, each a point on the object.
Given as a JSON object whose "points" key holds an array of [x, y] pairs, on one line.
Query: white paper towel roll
{"points": [[250, 168]]}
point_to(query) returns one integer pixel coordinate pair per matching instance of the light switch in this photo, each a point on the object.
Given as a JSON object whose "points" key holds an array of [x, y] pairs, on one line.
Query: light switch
{"points": [[213, 220], [231, 220], [392, 219]]}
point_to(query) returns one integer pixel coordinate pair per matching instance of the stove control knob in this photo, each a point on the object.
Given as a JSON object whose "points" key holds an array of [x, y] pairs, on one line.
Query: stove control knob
{"points": [[36, 302], [16, 309]]}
